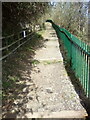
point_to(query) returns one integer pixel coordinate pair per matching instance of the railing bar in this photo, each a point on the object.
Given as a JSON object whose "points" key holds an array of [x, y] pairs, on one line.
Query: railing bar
{"points": [[75, 44], [89, 79], [87, 74], [81, 66], [14, 49], [8, 36], [13, 43]]}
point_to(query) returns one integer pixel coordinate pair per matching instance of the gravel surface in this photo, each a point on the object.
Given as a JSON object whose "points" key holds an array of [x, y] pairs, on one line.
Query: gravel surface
{"points": [[50, 89], [55, 91]]}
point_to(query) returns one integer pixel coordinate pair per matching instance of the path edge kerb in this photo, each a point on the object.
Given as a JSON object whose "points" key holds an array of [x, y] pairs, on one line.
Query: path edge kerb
{"points": [[62, 114]]}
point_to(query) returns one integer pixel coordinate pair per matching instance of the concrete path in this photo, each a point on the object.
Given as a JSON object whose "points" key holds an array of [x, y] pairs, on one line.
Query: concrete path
{"points": [[46, 91], [54, 94]]}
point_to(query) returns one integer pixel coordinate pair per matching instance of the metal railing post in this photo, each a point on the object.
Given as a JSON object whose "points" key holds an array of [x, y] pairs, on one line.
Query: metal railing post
{"points": [[89, 79], [80, 53]]}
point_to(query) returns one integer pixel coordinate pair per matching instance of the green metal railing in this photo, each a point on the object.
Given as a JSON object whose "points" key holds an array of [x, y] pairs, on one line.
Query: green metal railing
{"points": [[78, 53]]}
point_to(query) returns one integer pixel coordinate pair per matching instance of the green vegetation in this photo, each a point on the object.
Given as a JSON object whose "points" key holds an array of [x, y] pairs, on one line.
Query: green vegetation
{"points": [[41, 32], [34, 62], [21, 15], [47, 62], [73, 16], [17, 62]]}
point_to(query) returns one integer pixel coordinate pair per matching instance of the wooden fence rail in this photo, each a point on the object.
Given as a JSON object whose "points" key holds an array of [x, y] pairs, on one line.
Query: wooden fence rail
{"points": [[11, 43]]}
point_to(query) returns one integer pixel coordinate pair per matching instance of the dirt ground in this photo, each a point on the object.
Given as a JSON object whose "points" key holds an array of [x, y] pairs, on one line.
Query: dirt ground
{"points": [[48, 89]]}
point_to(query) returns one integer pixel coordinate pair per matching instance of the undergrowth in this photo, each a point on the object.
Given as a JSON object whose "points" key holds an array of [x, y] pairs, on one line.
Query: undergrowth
{"points": [[17, 62]]}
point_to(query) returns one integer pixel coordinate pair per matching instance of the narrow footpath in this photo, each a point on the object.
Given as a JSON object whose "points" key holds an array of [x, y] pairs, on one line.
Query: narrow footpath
{"points": [[55, 94], [50, 93]]}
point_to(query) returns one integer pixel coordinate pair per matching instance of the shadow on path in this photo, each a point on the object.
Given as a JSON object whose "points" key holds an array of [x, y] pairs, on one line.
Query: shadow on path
{"points": [[17, 82]]}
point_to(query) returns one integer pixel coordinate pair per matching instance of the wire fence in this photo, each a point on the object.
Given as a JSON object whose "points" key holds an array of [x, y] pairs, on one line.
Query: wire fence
{"points": [[11, 43]]}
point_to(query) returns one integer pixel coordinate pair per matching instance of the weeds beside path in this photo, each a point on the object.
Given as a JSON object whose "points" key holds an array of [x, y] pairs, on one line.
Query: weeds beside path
{"points": [[16, 72], [40, 83]]}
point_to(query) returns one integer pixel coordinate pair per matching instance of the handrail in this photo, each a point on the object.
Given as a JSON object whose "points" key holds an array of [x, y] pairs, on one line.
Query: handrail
{"points": [[79, 47], [78, 53]]}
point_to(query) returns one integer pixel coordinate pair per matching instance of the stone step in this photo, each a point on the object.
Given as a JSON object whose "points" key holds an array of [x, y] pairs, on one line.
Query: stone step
{"points": [[63, 114]]}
